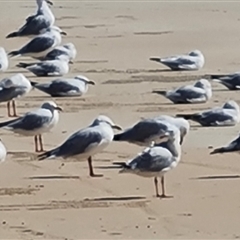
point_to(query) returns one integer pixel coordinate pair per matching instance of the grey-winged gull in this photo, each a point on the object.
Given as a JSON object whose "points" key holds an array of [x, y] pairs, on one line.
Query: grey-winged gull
{"points": [[232, 147], [4, 63], [38, 23], [58, 67], [156, 160], [3, 152], [227, 115], [39, 46], [200, 92], [194, 60], [67, 49], [230, 81], [35, 123], [144, 132], [86, 142], [67, 87], [13, 87]]}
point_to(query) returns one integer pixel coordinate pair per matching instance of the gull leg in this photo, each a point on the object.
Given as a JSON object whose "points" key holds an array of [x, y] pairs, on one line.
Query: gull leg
{"points": [[9, 109], [91, 172], [36, 143], [14, 109], [41, 143], [163, 189], [156, 187]]}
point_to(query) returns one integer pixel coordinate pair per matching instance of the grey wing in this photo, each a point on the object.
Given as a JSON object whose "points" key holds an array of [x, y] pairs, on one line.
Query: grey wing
{"points": [[34, 26], [79, 143], [38, 44], [148, 162], [231, 81], [7, 94], [30, 122], [43, 69], [175, 63]]}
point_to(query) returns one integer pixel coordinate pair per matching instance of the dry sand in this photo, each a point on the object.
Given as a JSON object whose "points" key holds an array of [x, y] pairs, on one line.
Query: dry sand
{"points": [[44, 200]]}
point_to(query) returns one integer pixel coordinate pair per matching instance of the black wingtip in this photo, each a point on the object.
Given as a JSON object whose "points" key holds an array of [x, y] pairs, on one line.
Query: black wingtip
{"points": [[13, 53], [22, 65], [117, 137], [163, 93], [33, 83], [155, 59], [217, 150], [185, 116], [12, 35]]}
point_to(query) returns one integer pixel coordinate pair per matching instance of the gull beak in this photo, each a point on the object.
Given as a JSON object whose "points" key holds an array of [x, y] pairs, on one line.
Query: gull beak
{"points": [[64, 33], [49, 2], [117, 127], [70, 62], [91, 82], [59, 109]]}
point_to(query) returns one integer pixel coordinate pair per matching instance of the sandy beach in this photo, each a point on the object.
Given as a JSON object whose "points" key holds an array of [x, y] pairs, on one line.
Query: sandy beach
{"points": [[52, 200]]}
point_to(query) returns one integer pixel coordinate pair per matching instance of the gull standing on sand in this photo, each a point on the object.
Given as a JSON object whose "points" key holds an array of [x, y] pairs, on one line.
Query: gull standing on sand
{"points": [[227, 115], [58, 67], [68, 87], [11, 88], [4, 63], [232, 147], [3, 152], [150, 130], [155, 161], [231, 81], [67, 49], [42, 44], [200, 92], [35, 123], [85, 143], [38, 23], [191, 61]]}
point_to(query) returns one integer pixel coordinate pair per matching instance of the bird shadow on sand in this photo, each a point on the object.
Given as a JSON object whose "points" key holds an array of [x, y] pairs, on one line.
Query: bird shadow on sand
{"points": [[53, 177], [217, 177], [125, 198]]}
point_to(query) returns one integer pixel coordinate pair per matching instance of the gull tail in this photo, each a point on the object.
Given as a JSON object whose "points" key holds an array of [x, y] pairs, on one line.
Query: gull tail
{"points": [[219, 150], [13, 53], [50, 154], [155, 59], [163, 93], [4, 124], [216, 76], [23, 65], [12, 35]]}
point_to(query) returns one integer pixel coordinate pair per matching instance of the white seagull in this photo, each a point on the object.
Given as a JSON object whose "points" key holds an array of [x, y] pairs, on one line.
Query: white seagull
{"points": [[194, 60], [3, 152], [86, 142], [4, 63], [35, 123], [38, 23], [40, 45], [68, 87]]}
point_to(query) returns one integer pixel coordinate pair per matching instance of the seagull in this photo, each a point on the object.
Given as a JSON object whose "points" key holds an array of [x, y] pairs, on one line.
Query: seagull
{"points": [[67, 49], [3, 152], [68, 87], [4, 63], [227, 115], [194, 60], [232, 147], [38, 23], [86, 142], [58, 67], [231, 81], [42, 44], [11, 88], [156, 160], [35, 123], [200, 92]]}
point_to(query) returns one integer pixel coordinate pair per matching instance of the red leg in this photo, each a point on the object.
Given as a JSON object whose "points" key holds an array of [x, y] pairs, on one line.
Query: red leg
{"points": [[91, 172]]}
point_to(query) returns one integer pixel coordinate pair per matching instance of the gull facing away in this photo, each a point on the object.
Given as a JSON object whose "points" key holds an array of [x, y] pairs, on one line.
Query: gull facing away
{"points": [[11, 88], [86, 142], [230, 81], [200, 92], [57, 67], [3, 152], [40, 45], [227, 115], [143, 133], [65, 87], [4, 63], [194, 60], [67, 49], [38, 23], [232, 147], [156, 160], [35, 123]]}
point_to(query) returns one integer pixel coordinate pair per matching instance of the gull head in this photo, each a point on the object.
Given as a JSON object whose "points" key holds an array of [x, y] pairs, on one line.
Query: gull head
{"points": [[106, 120], [65, 58], [195, 53], [69, 46], [231, 105], [173, 133], [184, 127], [203, 83], [72, 51], [57, 29], [2, 51], [85, 79], [52, 106]]}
